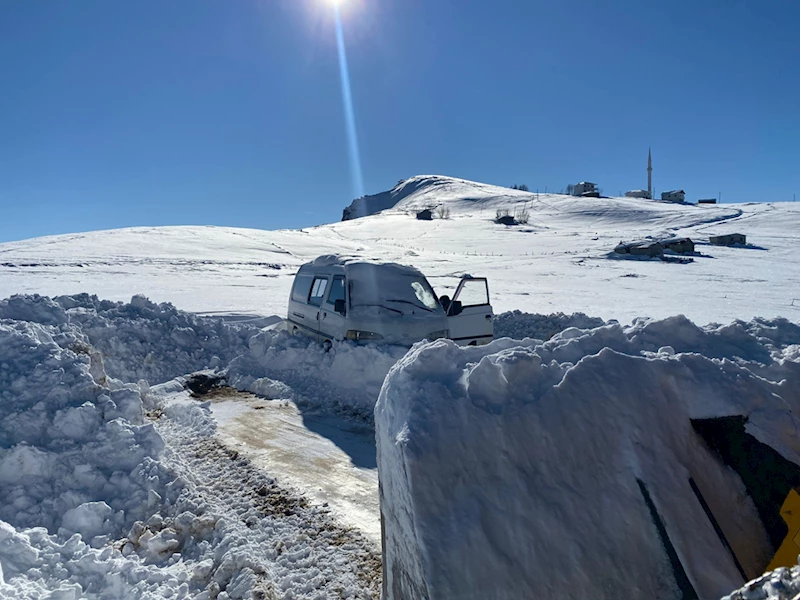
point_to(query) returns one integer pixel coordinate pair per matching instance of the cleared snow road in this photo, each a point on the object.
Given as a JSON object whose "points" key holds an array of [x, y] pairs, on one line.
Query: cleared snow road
{"points": [[329, 460]]}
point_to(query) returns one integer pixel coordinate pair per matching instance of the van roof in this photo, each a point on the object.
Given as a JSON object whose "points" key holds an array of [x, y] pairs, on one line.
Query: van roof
{"points": [[350, 264]]}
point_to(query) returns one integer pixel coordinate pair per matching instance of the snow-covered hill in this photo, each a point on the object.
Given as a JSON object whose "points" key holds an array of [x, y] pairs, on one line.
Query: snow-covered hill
{"points": [[424, 191], [558, 262]]}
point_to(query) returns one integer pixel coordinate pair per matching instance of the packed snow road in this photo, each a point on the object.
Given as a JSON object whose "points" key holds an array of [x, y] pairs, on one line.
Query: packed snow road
{"points": [[289, 547], [330, 460]]}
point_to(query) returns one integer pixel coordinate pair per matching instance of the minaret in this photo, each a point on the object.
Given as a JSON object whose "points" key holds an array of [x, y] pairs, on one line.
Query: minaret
{"points": [[649, 174]]}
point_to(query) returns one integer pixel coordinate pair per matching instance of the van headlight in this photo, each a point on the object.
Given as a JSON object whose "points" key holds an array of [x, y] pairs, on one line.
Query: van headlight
{"points": [[355, 335], [435, 335]]}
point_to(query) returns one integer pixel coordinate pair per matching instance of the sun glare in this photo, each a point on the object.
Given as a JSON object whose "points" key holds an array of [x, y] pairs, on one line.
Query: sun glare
{"points": [[347, 99]]}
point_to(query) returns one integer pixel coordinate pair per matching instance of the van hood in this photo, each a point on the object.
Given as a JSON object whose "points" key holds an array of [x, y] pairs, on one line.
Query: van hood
{"points": [[404, 328]]}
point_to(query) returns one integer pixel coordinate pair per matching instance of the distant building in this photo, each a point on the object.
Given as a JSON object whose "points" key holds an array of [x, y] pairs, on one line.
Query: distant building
{"points": [[679, 245], [641, 248], [585, 188], [638, 194], [730, 239], [425, 215], [674, 196], [707, 201]]}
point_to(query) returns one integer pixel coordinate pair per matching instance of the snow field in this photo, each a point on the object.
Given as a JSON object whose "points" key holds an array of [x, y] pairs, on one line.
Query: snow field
{"points": [[513, 470], [558, 262]]}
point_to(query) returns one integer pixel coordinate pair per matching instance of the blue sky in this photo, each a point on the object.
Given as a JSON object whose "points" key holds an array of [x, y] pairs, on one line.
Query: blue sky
{"points": [[225, 112]]}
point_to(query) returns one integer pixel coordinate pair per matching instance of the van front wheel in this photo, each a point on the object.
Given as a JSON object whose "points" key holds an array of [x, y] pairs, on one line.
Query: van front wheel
{"points": [[327, 345]]}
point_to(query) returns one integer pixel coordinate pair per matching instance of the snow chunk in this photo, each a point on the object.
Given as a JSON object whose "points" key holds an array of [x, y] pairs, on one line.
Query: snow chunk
{"points": [[89, 519]]}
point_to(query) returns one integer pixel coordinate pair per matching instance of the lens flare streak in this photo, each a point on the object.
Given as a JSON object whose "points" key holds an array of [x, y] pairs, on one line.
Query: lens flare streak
{"points": [[349, 113]]}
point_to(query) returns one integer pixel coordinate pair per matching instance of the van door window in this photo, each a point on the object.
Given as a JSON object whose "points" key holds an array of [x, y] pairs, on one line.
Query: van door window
{"points": [[337, 290], [302, 287], [473, 292], [318, 291]]}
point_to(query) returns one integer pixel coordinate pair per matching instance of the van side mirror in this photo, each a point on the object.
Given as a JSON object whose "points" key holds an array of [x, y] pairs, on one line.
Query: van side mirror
{"points": [[339, 307], [455, 308]]}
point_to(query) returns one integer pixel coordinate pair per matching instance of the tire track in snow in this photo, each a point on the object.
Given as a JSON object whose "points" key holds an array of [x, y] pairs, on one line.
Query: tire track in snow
{"points": [[294, 549]]}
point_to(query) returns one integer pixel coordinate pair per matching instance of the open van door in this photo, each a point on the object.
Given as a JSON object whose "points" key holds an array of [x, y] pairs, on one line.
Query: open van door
{"points": [[470, 316]]}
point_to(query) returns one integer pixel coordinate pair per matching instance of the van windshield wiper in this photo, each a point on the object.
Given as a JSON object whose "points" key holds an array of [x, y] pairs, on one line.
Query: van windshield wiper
{"points": [[399, 312], [411, 303]]}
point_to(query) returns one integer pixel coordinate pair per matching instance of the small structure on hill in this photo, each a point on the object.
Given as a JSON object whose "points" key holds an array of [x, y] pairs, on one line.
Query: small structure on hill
{"points": [[641, 248], [586, 189], [425, 215], [707, 201], [644, 194], [729, 239], [679, 245], [674, 196]]}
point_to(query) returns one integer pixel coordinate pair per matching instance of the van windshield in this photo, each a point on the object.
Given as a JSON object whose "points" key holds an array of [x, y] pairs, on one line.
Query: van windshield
{"points": [[400, 293]]}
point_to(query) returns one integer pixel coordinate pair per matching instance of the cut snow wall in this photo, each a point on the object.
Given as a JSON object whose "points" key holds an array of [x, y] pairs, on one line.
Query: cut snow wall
{"points": [[510, 472]]}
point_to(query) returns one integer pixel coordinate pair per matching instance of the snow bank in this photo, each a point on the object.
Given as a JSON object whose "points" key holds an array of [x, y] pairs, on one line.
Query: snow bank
{"points": [[100, 500], [140, 339], [346, 379], [75, 456], [78, 463], [519, 325], [572, 468]]}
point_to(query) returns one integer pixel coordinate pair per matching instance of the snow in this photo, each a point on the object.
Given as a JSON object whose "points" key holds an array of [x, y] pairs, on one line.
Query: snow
{"points": [[558, 262], [347, 379], [74, 455], [330, 459], [532, 450], [139, 339], [113, 489], [519, 325], [115, 482], [781, 584]]}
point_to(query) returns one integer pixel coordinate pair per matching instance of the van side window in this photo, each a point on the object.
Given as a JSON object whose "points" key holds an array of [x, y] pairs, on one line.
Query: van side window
{"points": [[337, 290], [318, 291], [302, 286]]}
